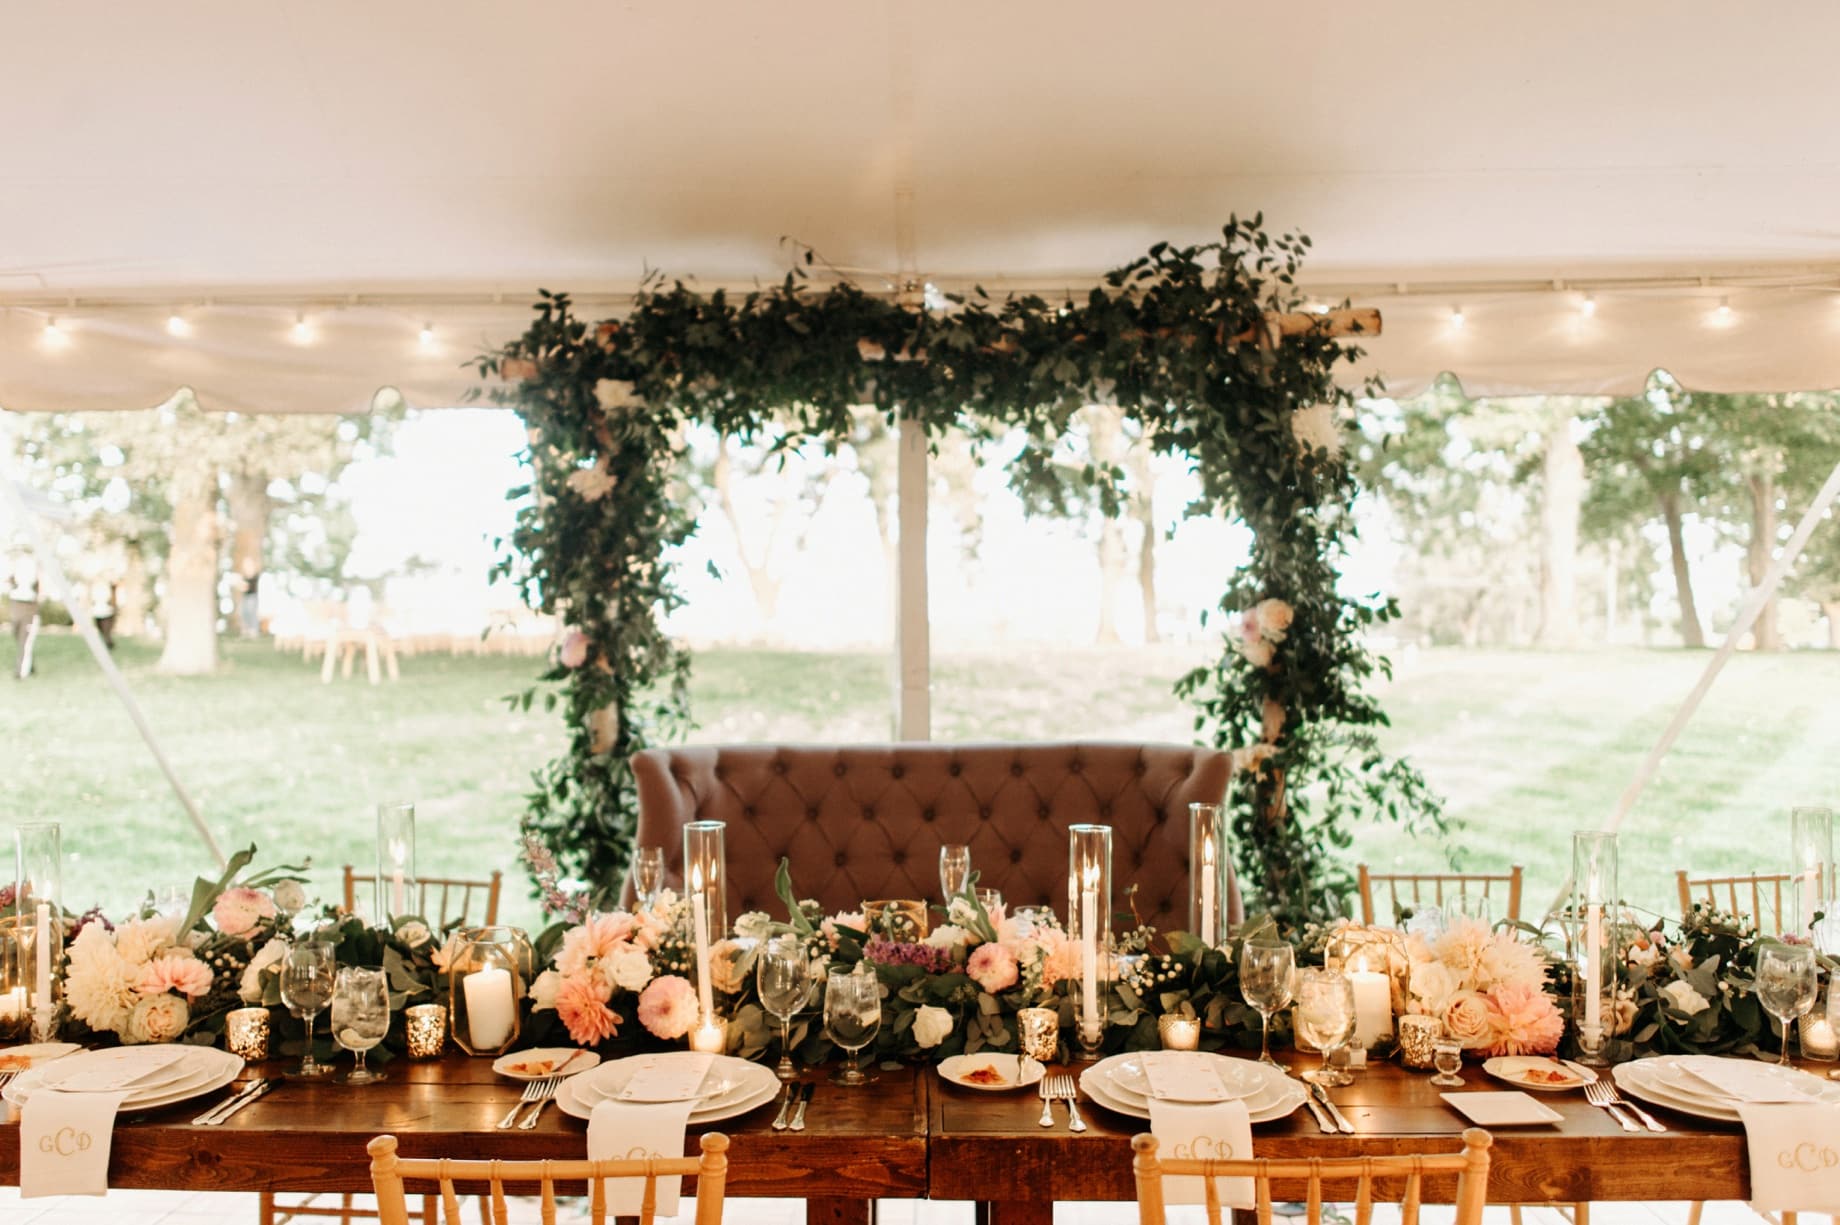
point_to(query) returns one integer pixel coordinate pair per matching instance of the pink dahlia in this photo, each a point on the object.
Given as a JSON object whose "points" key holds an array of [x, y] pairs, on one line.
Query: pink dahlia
{"points": [[993, 967], [593, 942], [238, 911], [1524, 1021], [581, 1002], [185, 974], [667, 1007]]}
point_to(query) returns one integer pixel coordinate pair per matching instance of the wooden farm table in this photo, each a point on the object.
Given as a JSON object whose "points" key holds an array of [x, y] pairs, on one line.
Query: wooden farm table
{"points": [[908, 1136]]}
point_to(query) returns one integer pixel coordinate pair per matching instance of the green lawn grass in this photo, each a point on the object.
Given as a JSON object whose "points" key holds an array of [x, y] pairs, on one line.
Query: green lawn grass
{"points": [[1526, 746]]}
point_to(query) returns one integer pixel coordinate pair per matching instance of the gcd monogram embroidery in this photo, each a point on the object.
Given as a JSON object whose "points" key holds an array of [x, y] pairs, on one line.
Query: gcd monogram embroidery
{"points": [[1204, 1148], [640, 1152], [1808, 1157], [65, 1142]]}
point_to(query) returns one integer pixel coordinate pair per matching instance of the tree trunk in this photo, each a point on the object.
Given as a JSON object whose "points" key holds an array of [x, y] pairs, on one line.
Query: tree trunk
{"points": [[131, 595], [761, 580], [1111, 577], [1767, 634], [1561, 498], [250, 508], [1613, 590], [1691, 634], [1143, 509], [190, 604], [1831, 610]]}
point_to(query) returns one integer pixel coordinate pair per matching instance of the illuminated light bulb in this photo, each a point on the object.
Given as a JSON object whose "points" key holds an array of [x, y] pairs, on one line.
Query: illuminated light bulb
{"points": [[55, 336], [302, 333], [177, 326], [1456, 316], [428, 336], [1588, 306], [1723, 313]]}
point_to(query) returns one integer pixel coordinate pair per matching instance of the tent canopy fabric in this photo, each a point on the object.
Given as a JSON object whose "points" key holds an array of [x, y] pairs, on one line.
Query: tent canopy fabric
{"points": [[379, 167]]}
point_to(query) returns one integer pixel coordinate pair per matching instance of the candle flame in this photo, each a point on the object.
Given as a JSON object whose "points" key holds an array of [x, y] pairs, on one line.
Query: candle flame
{"points": [[1090, 879], [696, 878], [1207, 851]]}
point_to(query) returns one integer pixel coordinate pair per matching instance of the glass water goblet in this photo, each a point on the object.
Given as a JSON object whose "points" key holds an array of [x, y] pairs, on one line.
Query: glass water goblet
{"points": [[306, 989], [852, 1015], [1266, 968], [1447, 1058], [784, 978], [360, 1017], [1325, 1019], [1787, 982], [648, 874], [954, 870]]}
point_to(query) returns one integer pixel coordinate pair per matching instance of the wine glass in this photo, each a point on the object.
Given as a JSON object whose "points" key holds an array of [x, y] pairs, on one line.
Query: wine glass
{"points": [[1325, 1019], [784, 978], [360, 1017], [954, 870], [1265, 971], [852, 1015], [648, 874], [1787, 982], [1447, 1058], [306, 988]]}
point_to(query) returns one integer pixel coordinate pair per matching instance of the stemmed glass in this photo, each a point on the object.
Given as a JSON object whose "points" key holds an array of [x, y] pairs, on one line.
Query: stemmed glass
{"points": [[954, 870], [1265, 971], [784, 978], [648, 874], [852, 1015], [1787, 982], [360, 1017], [306, 988], [1325, 1019]]}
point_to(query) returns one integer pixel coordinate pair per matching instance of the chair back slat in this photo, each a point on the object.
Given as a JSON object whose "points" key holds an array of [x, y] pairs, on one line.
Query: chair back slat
{"points": [[1408, 1207], [1313, 1203], [1764, 891], [1439, 885], [439, 890], [1364, 1199]]}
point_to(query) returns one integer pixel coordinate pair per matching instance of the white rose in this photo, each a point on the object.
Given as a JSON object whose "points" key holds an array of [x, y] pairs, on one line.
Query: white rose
{"points": [[158, 1018], [270, 954], [414, 933], [616, 395], [960, 912], [1682, 996], [754, 925], [1644, 954], [543, 991], [948, 936], [932, 1026], [290, 895], [631, 970]]}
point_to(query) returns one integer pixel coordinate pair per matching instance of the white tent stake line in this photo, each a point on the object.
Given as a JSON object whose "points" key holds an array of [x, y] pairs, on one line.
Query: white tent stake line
{"points": [[1747, 616], [86, 628]]}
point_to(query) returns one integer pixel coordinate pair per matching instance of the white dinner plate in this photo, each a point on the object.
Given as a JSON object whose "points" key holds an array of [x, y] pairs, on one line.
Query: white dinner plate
{"points": [[726, 1080], [759, 1086], [1003, 1068], [541, 1061], [1240, 1078], [1507, 1108], [214, 1069], [122, 1068], [34, 1054], [1664, 1081], [1286, 1096], [1526, 1071], [1274, 1093]]}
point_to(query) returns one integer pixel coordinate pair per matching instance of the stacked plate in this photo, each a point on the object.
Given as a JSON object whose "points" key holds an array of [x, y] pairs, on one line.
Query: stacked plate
{"points": [[150, 1076], [730, 1086], [1121, 1083], [1713, 1086]]}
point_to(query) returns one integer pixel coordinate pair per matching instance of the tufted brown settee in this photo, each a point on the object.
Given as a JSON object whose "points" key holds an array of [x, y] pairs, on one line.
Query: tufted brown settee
{"points": [[867, 821]]}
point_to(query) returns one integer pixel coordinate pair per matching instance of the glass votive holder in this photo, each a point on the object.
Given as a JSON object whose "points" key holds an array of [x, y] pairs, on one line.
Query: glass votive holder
{"points": [[425, 1026], [1418, 1037], [901, 919], [1179, 1033], [1819, 1031], [246, 1034], [711, 1037], [1039, 1032], [990, 899]]}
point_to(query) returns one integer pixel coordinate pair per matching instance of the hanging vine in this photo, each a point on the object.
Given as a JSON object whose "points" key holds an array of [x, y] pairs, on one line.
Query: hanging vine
{"points": [[1183, 340]]}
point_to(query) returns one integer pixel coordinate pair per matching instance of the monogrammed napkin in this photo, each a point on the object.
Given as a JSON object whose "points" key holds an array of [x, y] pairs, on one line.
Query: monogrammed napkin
{"points": [[1182, 1076], [1795, 1156], [635, 1131], [1217, 1131], [64, 1143]]}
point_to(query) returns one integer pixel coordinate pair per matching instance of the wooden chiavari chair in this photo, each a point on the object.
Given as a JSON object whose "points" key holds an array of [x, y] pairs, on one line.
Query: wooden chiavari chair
{"points": [[451, 897], [1413, 890], [1759, 896]]}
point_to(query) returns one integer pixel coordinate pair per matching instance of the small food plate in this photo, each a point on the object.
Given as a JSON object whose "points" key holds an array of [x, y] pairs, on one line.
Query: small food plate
{"points": [[994, 1072], [19, 1058], [1508, 1108], [541, 1061], [1538, 1073]]}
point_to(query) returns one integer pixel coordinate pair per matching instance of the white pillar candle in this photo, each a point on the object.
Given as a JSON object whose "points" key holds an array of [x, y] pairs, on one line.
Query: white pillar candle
{"points": [[42, 938], [1210, 915], [490, 1008], [1811, 896], [396, 893], [1819, 1040], [699, 919], [14, 1005], [1593, 969], [1373, 1007], [1089, 948]]}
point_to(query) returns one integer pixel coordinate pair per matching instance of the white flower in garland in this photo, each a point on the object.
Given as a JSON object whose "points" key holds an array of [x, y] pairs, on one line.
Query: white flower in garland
{"points": [[1317, 429], [1253, 758], [932, 1025], [100, 985], [617, 396], [271, 955], [592, 484], [1682, 995]]}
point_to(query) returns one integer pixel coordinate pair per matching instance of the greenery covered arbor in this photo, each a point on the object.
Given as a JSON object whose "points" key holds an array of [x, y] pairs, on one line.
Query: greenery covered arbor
{"points": [[1206, 347]]}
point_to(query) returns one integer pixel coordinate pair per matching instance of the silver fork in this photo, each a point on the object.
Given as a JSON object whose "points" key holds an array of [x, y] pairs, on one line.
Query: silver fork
{"points": [[1065, 1089], [1047, 1101], [1608, 1092], [546, 1095], [1598, 1094], [531, 1092]]}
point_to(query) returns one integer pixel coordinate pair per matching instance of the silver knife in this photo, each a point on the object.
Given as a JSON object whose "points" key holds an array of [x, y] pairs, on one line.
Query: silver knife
{"points": [[798, 1116], [1323, 1121], [785, 1108], [223, 1110], [1341, 1120], [245, 1103]]}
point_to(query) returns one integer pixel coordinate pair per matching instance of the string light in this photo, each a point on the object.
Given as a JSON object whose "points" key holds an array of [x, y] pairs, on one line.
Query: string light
{"points": [[1588, 306], [55, 337], [302, 332], [1456, 316], [427, 335], [176, 325], [1723, 313]]}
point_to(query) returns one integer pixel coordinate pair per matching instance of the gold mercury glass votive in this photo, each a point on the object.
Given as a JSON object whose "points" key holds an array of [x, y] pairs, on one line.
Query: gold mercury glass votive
{"points": [[426, 1027], [246, 1033], [1040, 1032], [1179, 1033], [1418, 1035]]}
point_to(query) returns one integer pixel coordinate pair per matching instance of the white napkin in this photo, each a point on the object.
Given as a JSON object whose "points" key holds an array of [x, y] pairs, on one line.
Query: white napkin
{"points": [[1795, 1156], [64, 1143], [635, 1131], [1217, 1131], [1745, 1080], [114, 1068], [1180, 1076], [677, 1077]]}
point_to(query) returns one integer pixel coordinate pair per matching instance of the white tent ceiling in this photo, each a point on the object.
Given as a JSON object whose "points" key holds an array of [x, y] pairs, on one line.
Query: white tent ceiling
{"points": [[379, 165]]}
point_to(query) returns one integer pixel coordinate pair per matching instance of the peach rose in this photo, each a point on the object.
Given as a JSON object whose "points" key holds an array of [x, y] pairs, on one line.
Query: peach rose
{"points": [[1467, 1020]]}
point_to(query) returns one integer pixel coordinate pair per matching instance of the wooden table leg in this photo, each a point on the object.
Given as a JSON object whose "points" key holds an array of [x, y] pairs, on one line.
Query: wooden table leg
{"points": [[839, 1212], [1015, 1212]]}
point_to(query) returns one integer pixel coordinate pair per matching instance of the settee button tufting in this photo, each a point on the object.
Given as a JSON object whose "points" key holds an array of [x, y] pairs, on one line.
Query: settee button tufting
{"points": [[984, 813], [900, 857], [868, 812], [748, 812], [841, 770], [1044, 812], [1142, 769], [1105, 810], [1015, 769], [779, 767], [927, 814], [1076, 765], [811, 814], [840, 859], [898, 770], [955, 769], [1015, 856], [1161, 817]]}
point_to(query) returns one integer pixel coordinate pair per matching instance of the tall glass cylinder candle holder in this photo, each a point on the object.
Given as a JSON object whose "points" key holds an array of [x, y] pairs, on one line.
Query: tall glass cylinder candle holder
{"points": [[38, 889], [706, 884], [1594, 896], [1811, 859], [1089, 927], [1207, 873], [486, 979], [396, 890]]}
